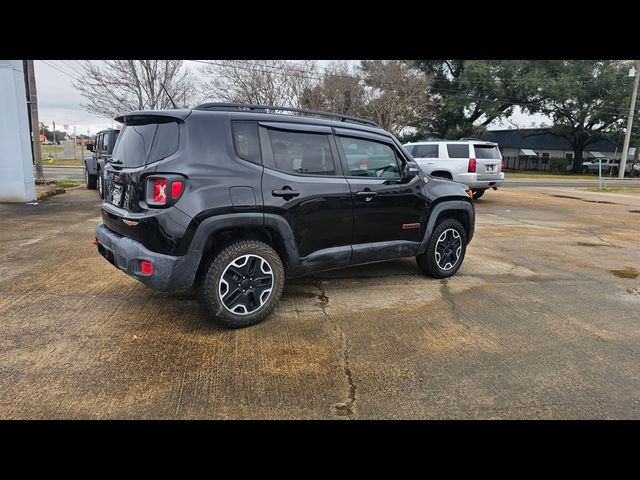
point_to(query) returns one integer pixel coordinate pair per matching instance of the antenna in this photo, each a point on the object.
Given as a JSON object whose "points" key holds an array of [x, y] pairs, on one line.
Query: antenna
{"points": [[171, 99]]}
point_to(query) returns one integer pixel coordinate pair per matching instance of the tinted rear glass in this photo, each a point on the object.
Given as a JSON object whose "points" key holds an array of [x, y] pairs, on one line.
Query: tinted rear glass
{"points": [[458, 150], [487, 151], [427, 151], [246, 141], [410, 149], [141, 144]]}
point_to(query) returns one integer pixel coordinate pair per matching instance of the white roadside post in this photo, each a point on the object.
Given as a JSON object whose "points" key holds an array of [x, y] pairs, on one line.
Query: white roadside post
{"points": [[17, 182], [600, 173]]}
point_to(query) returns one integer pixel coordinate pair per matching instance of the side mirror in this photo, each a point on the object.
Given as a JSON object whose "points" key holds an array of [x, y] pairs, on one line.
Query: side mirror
{"points": [[90, 147], [410, 171]]}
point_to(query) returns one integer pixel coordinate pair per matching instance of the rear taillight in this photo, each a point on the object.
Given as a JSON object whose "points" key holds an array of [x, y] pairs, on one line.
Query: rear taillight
{"points": [[176, 189], [472, 165], [165, 190], [159, 191]]}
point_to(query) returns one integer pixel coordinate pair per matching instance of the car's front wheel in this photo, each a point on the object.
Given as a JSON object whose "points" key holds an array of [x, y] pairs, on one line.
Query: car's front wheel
{"points": [[89, 180], [241, 284], [445, 250]]}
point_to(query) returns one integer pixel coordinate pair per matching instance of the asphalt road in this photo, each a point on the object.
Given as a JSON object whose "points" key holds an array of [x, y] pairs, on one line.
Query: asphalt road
{"points": [[56, 173], [541, 321]]}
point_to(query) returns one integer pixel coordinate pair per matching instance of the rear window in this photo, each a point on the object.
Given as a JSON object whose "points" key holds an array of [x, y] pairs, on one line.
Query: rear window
{"points": [[410, 149], [427, 151], [458, 150], [142, 143], [487, 151]]}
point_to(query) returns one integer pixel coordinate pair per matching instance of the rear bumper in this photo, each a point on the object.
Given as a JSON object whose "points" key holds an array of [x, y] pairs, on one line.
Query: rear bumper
{"points": [[169, 272], [472, 180]]}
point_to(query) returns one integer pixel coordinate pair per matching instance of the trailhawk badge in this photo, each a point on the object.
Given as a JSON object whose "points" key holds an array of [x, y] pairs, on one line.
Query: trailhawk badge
{"points": [[131, 223]]}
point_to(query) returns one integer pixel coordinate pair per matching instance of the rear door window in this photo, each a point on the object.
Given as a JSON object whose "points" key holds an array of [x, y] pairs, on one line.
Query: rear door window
{"points": [[143, 143], [427, 151], [489, 152], [302, 153], [458, 150]]}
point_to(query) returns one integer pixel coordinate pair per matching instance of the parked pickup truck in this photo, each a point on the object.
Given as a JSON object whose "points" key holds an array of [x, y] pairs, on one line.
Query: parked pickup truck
{"points": [[94, 165], [475, 163], [609, 167]]}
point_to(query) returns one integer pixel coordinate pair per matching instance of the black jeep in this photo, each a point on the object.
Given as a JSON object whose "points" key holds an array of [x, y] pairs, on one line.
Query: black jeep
{"points": [[94, 165], [234, 198]]}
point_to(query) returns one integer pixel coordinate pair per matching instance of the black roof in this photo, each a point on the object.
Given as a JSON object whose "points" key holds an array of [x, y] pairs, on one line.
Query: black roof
{"points": [[522, 138]]}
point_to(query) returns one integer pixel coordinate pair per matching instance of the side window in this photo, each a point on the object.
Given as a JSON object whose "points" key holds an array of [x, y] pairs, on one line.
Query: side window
{"points": [[427, 151], [99, 143], [458, 150], [370, 159], [246, 141], [105, 142], [302, 153]]}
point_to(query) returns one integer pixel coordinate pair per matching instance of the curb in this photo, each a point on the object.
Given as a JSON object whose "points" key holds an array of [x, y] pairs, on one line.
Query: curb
{"points": [[50, 193]]}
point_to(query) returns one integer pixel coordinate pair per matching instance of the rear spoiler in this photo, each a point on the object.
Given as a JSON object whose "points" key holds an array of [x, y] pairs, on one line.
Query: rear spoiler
{"points": [[180, 114]]}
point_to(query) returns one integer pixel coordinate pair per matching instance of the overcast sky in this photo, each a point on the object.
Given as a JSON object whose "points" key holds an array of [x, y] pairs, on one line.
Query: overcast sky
{"points": [[59, 101]]}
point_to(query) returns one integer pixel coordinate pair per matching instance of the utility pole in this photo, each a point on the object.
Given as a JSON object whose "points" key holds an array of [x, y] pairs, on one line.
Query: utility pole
{"points": [[627, 137], [35, 124], [55, 143]]}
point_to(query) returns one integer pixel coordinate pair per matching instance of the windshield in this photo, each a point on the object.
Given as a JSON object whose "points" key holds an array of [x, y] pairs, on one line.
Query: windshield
{"points": [[141, 144]]}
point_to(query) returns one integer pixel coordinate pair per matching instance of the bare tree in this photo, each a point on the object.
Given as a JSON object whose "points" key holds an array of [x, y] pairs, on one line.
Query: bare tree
{"points": [[395, 93], [341, 90], [115, 86], [266, 82]]}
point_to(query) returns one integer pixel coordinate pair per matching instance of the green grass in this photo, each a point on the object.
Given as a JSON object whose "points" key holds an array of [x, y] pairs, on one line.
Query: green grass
{"points": [[56, 162], [614, 189], [66, 182], [548, 175]]}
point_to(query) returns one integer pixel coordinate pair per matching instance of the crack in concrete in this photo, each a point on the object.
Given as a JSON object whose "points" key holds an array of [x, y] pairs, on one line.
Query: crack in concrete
{"points": [[445, 293], [342, 409]]}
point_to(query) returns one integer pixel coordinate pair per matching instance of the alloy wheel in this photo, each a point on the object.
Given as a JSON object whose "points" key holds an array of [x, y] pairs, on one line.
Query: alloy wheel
{"points": [[246, 284], [448, 249]]}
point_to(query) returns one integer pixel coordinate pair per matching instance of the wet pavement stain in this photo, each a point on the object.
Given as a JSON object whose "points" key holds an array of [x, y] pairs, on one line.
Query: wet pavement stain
{"points": [[585, 200], [628, 272]]}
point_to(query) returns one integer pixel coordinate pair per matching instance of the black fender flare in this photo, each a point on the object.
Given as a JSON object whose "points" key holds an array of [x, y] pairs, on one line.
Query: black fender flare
{"points": [[445, 206], [213, 224]]}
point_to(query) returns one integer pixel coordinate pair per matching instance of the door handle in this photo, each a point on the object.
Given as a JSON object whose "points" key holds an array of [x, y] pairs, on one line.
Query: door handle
{"points": [[285, 193], [366, 193]]}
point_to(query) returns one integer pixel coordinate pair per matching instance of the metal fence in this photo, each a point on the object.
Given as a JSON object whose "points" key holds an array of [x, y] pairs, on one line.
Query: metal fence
{"points": [[535, 164]]}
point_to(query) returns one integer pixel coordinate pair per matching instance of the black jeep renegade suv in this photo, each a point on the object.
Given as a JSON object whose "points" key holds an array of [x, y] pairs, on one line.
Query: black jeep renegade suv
{"points": [[233, 198]]}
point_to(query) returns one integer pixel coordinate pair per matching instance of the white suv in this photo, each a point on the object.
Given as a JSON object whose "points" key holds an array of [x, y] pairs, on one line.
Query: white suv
{"points": [[476, 163]]}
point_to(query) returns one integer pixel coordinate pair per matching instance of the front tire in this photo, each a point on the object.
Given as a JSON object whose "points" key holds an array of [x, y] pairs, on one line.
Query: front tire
{"points": [[445, 250], [478, 193], [241, 284], [89, 180]]}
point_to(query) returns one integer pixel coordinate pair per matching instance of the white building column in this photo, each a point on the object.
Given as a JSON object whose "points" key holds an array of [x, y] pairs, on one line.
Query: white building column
{"points": [[17, 183]]}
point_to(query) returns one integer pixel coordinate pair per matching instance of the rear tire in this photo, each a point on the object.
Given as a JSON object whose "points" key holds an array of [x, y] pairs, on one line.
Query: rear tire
{"points": [[90, 180], [478, 193], [445, 250], [241, 284]]}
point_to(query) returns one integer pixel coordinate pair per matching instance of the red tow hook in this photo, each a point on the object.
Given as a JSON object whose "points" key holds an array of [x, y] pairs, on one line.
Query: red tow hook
{"points": [[95, 242]]}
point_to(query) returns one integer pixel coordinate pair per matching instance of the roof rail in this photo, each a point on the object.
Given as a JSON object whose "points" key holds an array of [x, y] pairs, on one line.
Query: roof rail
{"points": [[263, 109], [470, 138]]}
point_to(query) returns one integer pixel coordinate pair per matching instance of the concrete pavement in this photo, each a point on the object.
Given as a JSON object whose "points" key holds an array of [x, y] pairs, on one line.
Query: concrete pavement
{"points": [[541, 321]]}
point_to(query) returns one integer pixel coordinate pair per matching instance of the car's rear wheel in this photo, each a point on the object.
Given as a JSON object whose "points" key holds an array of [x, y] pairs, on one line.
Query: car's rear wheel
{"points": [[89, 180], [445, 250], [241, 284], [478, 193]]}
